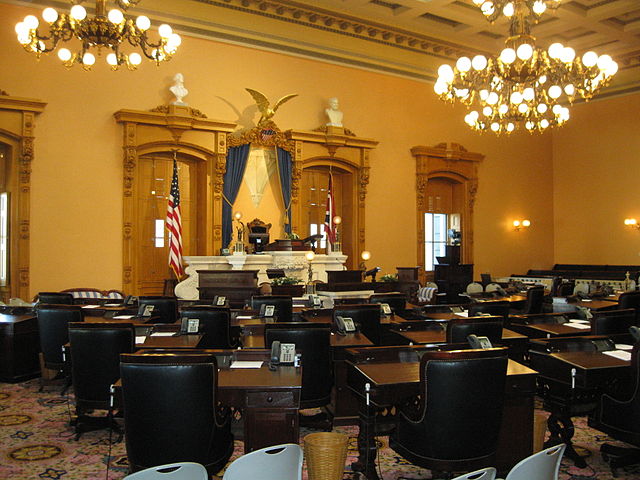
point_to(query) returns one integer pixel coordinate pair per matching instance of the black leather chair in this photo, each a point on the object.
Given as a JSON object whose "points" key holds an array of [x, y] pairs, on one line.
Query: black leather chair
{"points": [[170, 412], [535, 300], [313, 341], [453, 424], [630, 300], [95, 366], [620, 418], [613, 322], [459, 329], [165, 308], [55, 298], [366, 318], [500, 309], [283, 305], [53, 327], [397, 301], [214, 326]]}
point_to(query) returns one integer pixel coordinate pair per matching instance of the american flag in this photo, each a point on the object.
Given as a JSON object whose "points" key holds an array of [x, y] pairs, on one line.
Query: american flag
{"points": [[330, 213], [174, 224]]}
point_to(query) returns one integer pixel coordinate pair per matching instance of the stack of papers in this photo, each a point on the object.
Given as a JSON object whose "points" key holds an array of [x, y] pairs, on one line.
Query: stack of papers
{"points": [[464, 313], [91, 306], [621, 354], [123, 317], [163, 334], [578, 324], [244, 317], [246, 364]]}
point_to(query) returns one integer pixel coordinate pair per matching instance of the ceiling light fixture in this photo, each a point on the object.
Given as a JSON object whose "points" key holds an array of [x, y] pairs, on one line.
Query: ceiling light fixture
{"points": [[525, 85], [108, 30], [492, 9]]}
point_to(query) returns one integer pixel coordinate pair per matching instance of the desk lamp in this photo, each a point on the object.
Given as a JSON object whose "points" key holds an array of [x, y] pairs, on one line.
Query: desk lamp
{"points": [[365, 255], [337, 245], [311, 288], [239, 247]]}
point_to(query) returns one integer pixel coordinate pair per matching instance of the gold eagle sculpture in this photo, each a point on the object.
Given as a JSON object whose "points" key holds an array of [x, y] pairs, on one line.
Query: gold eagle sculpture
{"points": [[264, 106]]}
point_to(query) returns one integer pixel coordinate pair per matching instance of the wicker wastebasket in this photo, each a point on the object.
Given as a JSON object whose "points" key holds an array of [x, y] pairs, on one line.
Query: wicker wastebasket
{"points": [[326, 454]]}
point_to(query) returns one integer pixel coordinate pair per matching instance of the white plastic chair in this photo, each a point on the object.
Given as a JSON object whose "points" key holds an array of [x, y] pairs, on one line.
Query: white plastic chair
{"points": [[474, 287], [543, 465], [492, 287], [279, 462], [488, 473], [172, 471]]}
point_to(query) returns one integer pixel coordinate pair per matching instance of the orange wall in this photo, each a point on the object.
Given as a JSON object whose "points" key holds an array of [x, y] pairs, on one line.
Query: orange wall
{"points": [[597, 183], [76, 215]]}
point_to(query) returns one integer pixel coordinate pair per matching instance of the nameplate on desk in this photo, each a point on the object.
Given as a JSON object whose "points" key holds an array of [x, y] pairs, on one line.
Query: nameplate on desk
{"points": [[621, 354], [580, 326], [623, 346], [112, 305], [246, 364], [91, 306], [163, 334], [123, 317], [465, 313], [140, 339], [244, 317], [587, 300]]}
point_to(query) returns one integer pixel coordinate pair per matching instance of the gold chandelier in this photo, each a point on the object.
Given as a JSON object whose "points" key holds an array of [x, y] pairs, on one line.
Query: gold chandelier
{"points": [[525, 85], [105, 30]]}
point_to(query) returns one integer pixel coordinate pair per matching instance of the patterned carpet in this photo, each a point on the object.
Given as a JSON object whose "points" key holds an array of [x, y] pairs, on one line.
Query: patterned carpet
{"points": [[38, 443]]}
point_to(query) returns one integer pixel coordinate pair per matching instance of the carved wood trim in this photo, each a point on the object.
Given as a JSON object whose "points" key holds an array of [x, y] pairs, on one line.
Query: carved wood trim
{"points": [[255, 136], [452, 161]]}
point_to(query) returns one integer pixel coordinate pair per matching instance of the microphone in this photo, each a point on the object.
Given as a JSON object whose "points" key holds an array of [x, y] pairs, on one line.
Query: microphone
{"points": [[367, 388]]}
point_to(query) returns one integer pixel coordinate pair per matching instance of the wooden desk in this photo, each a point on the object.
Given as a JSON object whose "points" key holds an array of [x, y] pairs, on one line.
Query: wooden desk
{"points": [[180, 342], [393, 381], [596, 304], [548, 330], [19, 347]]}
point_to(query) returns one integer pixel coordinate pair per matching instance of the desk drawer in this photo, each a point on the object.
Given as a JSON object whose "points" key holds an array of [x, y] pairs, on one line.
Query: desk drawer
{"points": [[271, 399]]}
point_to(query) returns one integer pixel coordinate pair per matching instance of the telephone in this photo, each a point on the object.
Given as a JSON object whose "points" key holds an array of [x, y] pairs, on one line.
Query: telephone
{"points": [[635, 333], [129, 300], [189, 325], [267, 310], [603, 344], [385, 309], [345, 325], [479, 342], [145, 310], [501, 291], [282, 353], [219, 301], [456, 309], [314, 301]]}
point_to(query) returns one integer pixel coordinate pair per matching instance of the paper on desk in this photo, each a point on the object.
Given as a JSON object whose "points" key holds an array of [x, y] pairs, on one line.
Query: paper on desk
{"points": [[246, 364], [581, 326], [91, 306], [112, 304], [244, 317], [299, 305], [163, 334], [576, 320], [621, 354], [463, 314], [140, 339], [587, 300], [123, 317], [623, 346]]}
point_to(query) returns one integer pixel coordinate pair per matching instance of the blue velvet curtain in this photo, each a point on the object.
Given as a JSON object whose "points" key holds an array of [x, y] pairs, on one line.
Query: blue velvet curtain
{"points": [[236, 163], [285, 168]]}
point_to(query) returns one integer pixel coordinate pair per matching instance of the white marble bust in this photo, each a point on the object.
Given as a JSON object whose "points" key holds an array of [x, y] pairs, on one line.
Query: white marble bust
{"points": [[178, 89], [335, 115]]}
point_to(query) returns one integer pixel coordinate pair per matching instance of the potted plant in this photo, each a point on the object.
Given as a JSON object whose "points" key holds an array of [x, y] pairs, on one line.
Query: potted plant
{"points": [[388, 283], [287, 286]]}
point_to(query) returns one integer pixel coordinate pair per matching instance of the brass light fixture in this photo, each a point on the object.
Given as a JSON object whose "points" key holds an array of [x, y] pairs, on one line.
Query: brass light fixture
{"points": [[105, 30], [525, 85], [492, 9]]}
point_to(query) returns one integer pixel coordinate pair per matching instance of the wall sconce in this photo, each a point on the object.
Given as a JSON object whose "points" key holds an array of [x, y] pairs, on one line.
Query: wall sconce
{"points": [[519, 224], [632, 223], [337, 245], [239, 247], [365, 255], [310, 286]]}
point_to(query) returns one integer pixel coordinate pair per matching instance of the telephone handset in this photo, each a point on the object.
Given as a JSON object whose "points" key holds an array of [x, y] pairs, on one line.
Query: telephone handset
{"points": [[189, 325], [635, 333], [603, 344], [315, 301], [219, 301], [145, 310], [267, 310], [345, 325], [385, 309], [282, 353], [129, 300], [456, 309], [479, 342]]}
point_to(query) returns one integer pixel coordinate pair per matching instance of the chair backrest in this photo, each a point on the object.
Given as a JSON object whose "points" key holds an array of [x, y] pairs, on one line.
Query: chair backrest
{"points": [[176, 424], [397, 301], [500, 309], [165, 308], [317, 365], [279, 462], [172, 471], [535, 299], [543, 465], [55, 298], [53, 326], [95, 359], [629, 300], [610, 322], [492, 287], [474, 287], [528, 319], [366, 317], [459, 329], [488, 473], [283, 305], [214, 325], [456, 386]]}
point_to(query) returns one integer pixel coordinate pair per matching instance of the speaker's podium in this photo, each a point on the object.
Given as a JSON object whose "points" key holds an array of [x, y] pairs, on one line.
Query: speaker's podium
{"points": [[451, 276], [236, 285]]}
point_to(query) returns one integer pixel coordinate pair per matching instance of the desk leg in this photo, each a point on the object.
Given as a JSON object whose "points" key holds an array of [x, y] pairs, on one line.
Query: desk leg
{"points": [[367, 450], [562, 430]]}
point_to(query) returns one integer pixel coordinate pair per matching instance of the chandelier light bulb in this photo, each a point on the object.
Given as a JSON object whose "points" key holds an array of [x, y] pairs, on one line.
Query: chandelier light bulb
{"points": [[88, 59], [544, 123], [555, 50], [78, 13], [542, 80], [516, 98], [569, 90], [493, 98], [557, 109], [115, 16], [173, 43], [487, 8], [462, 92], [49, 15], [164, 30], [523, 108], [526, 223], [31, 22], [440, 87], [554, 91], [539, 7], [64, 54], [143, 23], [510, 127], [603, 60], [479, 62], [445, 73], [542, 108], [528, 94], [135, 58], [112, 59], [468, 119], [484, 94], [524, 51], [508, 10], [508, 56], [590, 59], [495, 126], [503, 109], [463, 64], [487, 111], [529, 125], [568, 55], [478, 2]]}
